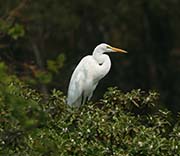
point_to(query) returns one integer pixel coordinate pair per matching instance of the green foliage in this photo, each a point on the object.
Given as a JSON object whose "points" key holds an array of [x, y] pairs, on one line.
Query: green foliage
{"points": [[16, 31], [144, 28], [19, 112], [46, 76], [55, 65], [131, 123], [43, 77]]}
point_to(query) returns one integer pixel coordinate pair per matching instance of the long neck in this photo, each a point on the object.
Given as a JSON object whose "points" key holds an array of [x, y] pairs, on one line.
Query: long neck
{"points": [[104, 63]]}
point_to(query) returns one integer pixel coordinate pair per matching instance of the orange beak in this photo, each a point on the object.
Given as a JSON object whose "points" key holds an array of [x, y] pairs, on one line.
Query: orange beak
{"points": [[118, 50]]}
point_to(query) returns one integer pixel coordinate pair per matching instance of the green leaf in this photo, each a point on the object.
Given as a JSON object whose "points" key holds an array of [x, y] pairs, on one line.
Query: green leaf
{"points": [[16, 31]]}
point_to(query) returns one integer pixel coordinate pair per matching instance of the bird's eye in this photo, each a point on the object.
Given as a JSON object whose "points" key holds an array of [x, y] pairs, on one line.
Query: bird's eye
{"points": [[108, 47]]}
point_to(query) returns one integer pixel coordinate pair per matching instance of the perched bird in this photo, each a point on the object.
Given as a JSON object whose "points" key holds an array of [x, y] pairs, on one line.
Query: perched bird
{"points": [[87, 74]]}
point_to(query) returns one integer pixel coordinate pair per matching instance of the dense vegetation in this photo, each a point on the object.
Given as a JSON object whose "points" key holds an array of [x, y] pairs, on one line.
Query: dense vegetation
{"points": [[40, 44], [132, 123], [43, 40]]}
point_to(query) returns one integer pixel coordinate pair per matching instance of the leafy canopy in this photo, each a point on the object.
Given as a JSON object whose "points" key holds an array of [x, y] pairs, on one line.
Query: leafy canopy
{"points": [[132, 123]]}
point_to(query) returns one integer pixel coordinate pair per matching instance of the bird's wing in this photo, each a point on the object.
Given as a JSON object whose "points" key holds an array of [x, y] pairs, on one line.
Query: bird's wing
{"points": [[77, 83], [75, 89]]}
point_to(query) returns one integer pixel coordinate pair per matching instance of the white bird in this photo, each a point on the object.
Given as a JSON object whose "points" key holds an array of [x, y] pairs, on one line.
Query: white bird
{"points": [[87, 74]]}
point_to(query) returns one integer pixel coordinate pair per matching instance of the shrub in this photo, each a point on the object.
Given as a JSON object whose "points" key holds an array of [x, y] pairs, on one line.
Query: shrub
{"points": [[128, 124]]}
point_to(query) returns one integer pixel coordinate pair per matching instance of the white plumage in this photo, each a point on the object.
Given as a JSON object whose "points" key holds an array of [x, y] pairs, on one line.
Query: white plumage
{"points": [[87, 74]]}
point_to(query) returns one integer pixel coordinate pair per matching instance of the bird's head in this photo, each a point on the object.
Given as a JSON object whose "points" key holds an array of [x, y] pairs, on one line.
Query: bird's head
{"points": [[105, 48]]}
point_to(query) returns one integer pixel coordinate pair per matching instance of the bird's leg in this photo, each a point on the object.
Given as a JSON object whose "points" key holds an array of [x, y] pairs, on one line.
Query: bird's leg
{"points": [[82, 99]]}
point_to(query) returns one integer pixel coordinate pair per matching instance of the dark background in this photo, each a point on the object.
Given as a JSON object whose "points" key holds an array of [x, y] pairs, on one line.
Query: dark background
{"points": [[42, 42]]}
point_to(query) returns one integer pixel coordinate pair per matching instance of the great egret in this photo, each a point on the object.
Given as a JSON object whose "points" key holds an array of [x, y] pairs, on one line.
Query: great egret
{"points": [[87, 74]]}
